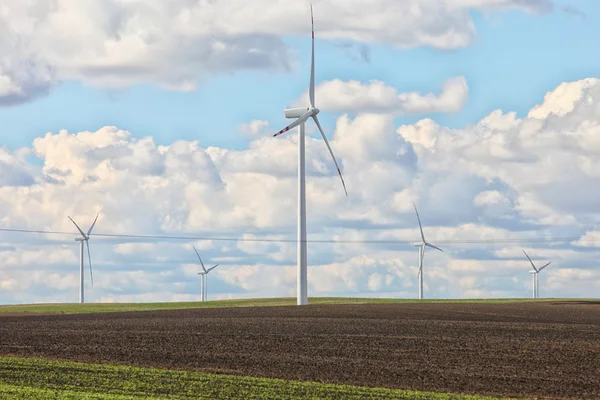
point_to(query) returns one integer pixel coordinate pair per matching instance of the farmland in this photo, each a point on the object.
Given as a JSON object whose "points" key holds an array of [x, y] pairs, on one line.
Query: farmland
{"points": [[74, 308], [42, 379], [518, 349]]}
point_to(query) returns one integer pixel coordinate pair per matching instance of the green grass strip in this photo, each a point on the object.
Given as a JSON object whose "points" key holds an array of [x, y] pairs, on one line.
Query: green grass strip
{"points": [[286, 301], [33, 378]]}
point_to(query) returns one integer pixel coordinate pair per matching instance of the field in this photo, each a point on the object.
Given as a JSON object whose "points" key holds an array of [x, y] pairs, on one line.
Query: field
{"points": [[543, 349], [37, 379], [71, 308]]}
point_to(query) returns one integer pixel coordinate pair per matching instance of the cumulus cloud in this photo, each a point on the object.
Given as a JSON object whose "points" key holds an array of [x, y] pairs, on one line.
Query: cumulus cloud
{"points": [[588, 239], [377, 97], [546, 158], [14, 169], [175, 44], [533, 6], [505, 177], [254, 129]]}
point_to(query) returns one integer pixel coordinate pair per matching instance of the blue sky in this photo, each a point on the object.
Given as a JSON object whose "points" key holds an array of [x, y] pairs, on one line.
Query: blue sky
{"points": [[515, 60], [508, 184]]}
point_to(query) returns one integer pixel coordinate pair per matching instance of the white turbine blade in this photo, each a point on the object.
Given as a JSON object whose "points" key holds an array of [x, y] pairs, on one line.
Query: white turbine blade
{"points": [[90, 260], [311, 88], [294, 124], [433, 247], [541, 268], [330, 152], [203, 267], [78, 228], [536, 270], [94, 223], [211, 268], [419, 219]]}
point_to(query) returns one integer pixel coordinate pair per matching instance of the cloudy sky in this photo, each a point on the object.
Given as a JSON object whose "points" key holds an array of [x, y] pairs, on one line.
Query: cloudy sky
{"points": [[159, 116]]}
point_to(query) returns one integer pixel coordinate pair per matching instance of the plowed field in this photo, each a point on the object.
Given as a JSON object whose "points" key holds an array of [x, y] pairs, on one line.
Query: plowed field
{"points": [[548, 349]]}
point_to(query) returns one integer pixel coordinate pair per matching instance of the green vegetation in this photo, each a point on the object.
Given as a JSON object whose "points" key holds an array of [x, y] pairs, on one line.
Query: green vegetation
{"points": [[284, 301], [28, 378]]}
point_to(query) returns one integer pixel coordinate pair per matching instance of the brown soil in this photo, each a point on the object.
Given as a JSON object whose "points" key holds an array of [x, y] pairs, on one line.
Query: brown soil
{"points": [[549, 350]]}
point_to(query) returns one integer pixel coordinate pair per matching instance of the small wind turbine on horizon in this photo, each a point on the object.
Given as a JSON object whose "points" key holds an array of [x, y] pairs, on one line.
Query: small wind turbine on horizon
{"points": [[302, 114], [421, 245], [203, 276], [534, 274], [85, 237]]}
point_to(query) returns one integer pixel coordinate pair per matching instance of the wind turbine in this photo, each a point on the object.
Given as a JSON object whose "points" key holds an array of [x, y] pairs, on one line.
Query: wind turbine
{"points": [[203, 276], [85, 237], [302, 114], [421, 245], [534, 274]]}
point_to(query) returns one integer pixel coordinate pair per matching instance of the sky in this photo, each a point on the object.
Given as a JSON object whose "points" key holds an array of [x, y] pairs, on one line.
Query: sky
{"points": [[159, 116]]}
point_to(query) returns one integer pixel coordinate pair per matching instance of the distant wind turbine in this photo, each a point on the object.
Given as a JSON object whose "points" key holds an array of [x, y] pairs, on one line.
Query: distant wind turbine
{"points": [[534, 274], [421, 245], [302, 114], [203, 276], [85, 237]]}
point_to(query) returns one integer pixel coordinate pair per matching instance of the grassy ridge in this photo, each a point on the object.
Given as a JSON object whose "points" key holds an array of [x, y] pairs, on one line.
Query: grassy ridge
{"points": [[35, 379], [283, 301]]}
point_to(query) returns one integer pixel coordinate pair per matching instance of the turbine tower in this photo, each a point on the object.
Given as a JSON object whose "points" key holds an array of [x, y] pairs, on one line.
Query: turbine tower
{"points": [[534, 275], [85, 237], [302, 114], [203, 277], [421, 245]]}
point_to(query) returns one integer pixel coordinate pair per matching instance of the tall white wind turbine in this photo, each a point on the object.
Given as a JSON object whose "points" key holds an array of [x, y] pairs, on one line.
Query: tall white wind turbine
{"points": [[85, 237], [302, 114], [534, 275], [421, 245], [203, 276]]}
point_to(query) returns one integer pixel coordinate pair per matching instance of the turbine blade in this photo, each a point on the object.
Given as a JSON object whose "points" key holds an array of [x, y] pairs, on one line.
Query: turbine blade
{"points": [[90, 261], [211, 268], [536, 270], [311, 88], [294, 124], [434, 247], [330, 152], [78, 228], [94, 223], [203, 267], [419, 219], [541, 268]]}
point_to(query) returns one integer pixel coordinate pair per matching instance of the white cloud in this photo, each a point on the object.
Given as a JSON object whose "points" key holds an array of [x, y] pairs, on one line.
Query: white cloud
{"points": [[588, 239], [377, 97], [375, 281], [14, 170], [489, 197], [504, 177], [255, 129], [545, 160], [175, 44], [534, 6]]}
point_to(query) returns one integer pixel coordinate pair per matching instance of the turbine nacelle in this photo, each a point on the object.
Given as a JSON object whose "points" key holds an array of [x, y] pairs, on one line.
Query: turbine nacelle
{"points": [[293, 113]]}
